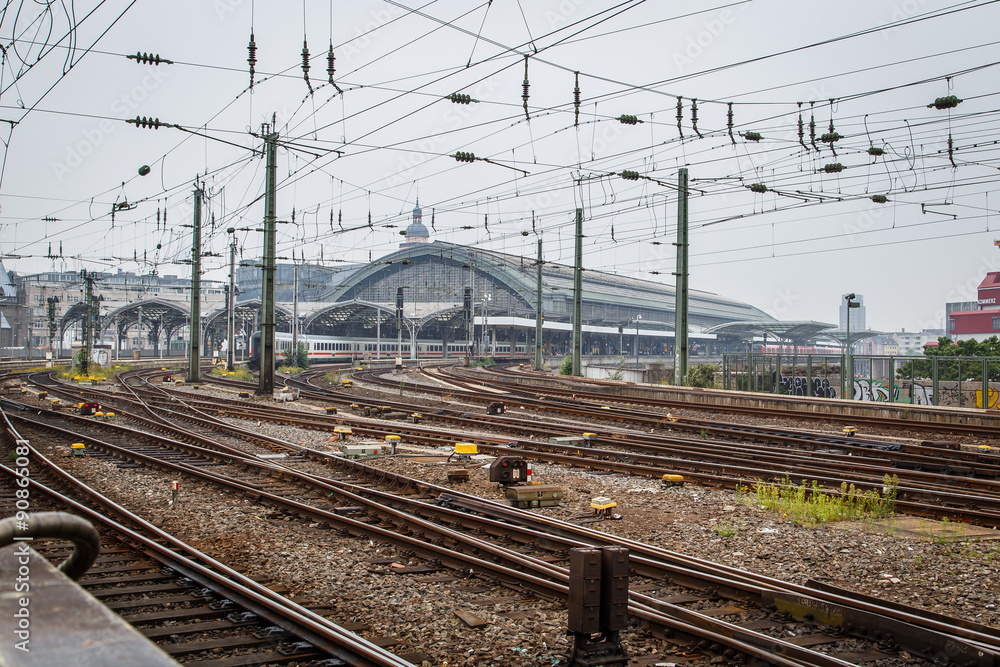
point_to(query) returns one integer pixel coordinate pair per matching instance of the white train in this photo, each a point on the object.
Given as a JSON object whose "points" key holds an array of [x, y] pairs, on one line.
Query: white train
{"points": [[342, 348]]}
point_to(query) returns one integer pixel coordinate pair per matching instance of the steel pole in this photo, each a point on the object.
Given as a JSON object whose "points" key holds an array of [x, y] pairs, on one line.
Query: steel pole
{"points": [[231, 313], [578, 297], [194, 346], [266, 384], [681, 289], [538, 312]]}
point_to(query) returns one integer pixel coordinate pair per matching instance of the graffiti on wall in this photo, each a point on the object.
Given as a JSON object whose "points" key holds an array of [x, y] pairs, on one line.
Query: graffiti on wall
{"points": [[800, 386], [874, 390], [922, 395], [991, 397]]}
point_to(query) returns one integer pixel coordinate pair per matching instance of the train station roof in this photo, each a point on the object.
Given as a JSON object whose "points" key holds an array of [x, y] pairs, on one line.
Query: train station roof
{"points": [[435, 274], [791, 331], [840, 335]]}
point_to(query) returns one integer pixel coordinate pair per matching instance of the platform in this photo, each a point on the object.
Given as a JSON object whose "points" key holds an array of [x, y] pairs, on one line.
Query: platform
{"points": [[62, 624]]}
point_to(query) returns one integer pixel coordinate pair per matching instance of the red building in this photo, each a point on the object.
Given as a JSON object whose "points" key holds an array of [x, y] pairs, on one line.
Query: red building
{"points": [[982, 323]]}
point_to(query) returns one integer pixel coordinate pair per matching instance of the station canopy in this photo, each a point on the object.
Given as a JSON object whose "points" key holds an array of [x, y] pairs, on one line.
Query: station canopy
{"points": [[840, 335], [790, 331]]}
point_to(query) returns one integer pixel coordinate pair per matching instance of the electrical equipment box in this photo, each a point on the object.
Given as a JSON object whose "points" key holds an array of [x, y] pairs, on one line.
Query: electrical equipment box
{"points": [[569, 441], [509, 470], [361, 451], [540, 495]]}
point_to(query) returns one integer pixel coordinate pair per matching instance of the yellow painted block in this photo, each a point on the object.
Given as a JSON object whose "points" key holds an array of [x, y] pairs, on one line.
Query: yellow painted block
{"points": [[466, 448]]}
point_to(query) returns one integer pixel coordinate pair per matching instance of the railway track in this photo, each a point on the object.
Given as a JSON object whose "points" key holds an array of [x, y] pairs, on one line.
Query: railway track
{"points": [[605, 390], [196, 609], [428, 528], [933, 482], [969, 497]]}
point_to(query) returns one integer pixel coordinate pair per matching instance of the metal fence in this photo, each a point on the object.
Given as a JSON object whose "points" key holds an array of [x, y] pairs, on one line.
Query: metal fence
{"points": [[967, 382]]}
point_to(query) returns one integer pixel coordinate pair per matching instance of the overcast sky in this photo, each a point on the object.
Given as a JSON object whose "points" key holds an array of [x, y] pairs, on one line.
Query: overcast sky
{"points": [[365, 153]]}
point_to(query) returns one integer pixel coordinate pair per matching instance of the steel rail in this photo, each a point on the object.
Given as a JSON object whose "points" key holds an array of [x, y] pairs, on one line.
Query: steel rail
{"points": [[319, 631], [674, 618]]}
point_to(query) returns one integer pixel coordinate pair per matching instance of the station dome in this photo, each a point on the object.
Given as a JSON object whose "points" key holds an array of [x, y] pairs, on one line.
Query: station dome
{"points": [[416, 232]]}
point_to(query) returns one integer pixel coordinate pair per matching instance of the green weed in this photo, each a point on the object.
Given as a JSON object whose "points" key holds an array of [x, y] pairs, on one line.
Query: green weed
{"points": [[809, 504]]}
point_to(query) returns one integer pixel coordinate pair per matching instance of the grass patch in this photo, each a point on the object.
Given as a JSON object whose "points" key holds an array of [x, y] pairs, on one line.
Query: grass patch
{"points": [[726, 528], [94, 372], [811, 505], [235, 374], [333, 377]]}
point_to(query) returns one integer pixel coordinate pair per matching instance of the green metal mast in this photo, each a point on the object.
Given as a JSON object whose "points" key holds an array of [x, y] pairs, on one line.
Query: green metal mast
{"points": [[538, 312], [194, 346], [681, 291], [578, 297], [88, 321], [266, 384]]}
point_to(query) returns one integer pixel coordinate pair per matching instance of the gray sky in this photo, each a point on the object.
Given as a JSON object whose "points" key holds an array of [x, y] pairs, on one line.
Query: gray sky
{"points": [[791, 251]]}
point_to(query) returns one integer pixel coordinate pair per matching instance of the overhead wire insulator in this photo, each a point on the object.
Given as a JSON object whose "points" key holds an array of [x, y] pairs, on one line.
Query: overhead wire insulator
{"points": [[949, 102], [880, 199], [252, 58], [576, 101], [802, 131], [627, 119], [680, 115], [147, 123], [812, 127], [875, 151], [149, 59], [460, 98], [331, 68], [951, 151], [758, 188], [753, 136], [305, 65], [694, 118], [465, 156], [729, 123], [630, 175], [832, 136], [833, 168], [524, 95]]}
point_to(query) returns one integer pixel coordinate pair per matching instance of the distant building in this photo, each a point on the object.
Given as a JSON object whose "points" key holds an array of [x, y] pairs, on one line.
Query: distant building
{"points": [[984, 320], [886, 345], [13, 315], [957, 307], [858, 319], [912, 342], [113, 294]]}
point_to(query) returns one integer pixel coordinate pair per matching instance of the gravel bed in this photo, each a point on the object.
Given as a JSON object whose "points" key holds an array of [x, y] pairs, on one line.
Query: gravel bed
{"points": [[909, 562]]}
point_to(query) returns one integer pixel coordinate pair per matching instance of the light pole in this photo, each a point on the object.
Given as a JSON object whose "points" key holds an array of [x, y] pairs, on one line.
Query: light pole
{"points": [[850, 361], [637, 318]]}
